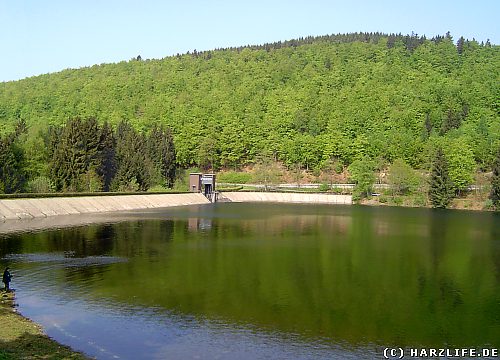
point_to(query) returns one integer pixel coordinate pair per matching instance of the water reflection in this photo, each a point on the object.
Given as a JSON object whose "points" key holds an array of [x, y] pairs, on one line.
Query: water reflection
{"points": [[196, 224], [292, 280]]}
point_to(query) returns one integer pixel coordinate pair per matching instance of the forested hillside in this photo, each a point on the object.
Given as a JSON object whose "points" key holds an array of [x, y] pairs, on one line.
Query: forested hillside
{"points": [[306, 103]]}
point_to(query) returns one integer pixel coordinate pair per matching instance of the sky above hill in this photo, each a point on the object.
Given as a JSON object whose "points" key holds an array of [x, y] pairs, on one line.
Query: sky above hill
{"points": [[40, 37]]}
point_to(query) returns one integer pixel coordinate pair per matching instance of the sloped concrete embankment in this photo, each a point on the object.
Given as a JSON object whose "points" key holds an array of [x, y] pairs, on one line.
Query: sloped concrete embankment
{"points": [[286, 197], [16, 209]]}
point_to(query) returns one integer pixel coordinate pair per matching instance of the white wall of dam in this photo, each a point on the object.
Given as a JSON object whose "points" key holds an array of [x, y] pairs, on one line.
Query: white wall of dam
{"points": [[16, 209], [19, 215], [286, 197]]}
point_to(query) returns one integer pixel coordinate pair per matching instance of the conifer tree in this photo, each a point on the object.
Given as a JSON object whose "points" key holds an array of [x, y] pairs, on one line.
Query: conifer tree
{"points": [[441, 188], [107, 160], [169, 159], [133, 164], [428, 125], [451, 121], [495, 183], [460, 45], [12, 173], [75, 153], [162, 153]]}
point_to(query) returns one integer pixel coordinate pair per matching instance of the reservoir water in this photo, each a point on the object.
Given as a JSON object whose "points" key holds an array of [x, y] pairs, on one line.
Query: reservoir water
{"points": [[263, 281]]}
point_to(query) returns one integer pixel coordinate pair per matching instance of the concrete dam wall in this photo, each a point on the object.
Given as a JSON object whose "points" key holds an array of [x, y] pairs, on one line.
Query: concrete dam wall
{"points": [[19, 215], [15, 209], [285, 198]]}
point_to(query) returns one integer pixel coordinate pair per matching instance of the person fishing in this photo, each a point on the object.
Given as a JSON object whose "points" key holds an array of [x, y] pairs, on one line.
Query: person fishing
{"points": [[6, 279]]}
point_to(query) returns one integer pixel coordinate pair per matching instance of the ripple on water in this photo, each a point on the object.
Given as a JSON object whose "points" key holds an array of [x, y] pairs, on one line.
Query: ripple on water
{"points": [[66, 259]]}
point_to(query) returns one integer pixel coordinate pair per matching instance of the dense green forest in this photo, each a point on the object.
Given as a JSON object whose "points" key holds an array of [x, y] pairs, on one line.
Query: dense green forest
{"points": [[307, 103]]}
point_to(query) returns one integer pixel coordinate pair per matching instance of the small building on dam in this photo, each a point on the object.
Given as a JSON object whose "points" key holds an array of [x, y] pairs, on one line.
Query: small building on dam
{"points": [[204, 183]]}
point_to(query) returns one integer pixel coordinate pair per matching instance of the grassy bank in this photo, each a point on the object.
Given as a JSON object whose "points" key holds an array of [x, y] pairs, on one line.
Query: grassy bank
{"points": [[21, 338]]}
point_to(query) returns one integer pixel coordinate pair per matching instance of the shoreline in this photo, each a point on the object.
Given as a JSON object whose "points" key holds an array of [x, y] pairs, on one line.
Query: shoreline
{"points": [[471, 203], [22, 338]]}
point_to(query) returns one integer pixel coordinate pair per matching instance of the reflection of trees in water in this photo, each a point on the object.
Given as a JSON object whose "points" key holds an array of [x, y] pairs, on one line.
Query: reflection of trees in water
{"points": [[495, 245], [146, 237], [455, 283], [104, 238], [394, 286], [439, 227], [85, 273], [75, 242], [11, 244], [373, 282], [344, 276], [300, 224], [450, 292], [197, 223]]}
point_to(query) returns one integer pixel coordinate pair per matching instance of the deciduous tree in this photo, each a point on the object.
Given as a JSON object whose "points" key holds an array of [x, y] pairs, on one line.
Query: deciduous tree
{"points": [[362, 173], [402, 178]]}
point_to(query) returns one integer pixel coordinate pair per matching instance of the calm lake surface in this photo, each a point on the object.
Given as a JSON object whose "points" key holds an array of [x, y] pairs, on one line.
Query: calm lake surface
{"points": [[264, 281]]}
